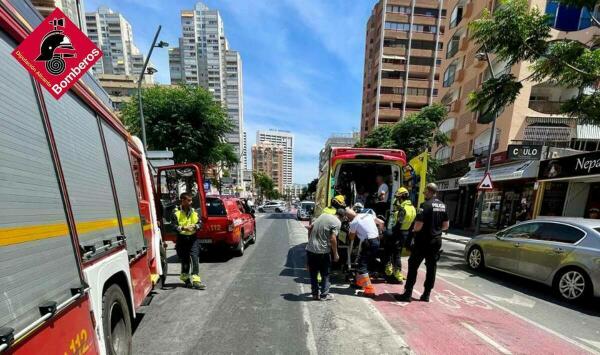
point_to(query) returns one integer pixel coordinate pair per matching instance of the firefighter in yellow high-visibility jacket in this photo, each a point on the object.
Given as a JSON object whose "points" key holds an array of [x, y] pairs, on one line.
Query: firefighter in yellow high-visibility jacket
{"points": [[187, 223], [398, 232]]}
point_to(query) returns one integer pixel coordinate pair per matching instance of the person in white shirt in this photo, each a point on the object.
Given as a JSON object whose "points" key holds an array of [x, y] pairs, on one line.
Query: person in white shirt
{"points": [[366, 227]]}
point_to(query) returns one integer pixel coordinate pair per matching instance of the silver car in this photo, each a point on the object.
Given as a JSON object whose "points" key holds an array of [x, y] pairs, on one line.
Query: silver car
{"points": [[560, 252]]}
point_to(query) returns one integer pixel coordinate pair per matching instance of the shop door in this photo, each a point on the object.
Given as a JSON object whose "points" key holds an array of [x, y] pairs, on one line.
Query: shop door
{"points": [[577, 198], [509, 209]]}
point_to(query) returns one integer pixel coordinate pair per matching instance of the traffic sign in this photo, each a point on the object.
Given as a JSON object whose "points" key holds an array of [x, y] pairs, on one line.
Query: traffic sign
{"points": [[486, 183]]}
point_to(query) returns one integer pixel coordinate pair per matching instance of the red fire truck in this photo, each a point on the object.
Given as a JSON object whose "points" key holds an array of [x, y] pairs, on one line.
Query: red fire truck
{"points": [[79, 238]]}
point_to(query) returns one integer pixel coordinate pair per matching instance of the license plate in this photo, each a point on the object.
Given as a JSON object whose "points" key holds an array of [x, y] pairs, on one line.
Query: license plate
{"points": [[205, 241]]}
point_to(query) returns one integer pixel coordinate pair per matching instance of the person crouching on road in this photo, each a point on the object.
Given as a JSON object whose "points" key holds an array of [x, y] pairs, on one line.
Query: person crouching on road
{"points": [[366, 227], [321, 246], [187, 223], [431, 221], [398, 232]]}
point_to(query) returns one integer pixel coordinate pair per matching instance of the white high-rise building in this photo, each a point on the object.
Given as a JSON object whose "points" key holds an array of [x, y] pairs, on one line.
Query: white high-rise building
{"points": [[204, 58], [110, 31], [245, 151], [285, 139]]}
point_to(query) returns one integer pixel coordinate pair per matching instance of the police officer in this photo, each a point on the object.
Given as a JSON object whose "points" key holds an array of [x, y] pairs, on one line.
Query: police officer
{"points": [[187, 223], [398, 232], [431, 221]]}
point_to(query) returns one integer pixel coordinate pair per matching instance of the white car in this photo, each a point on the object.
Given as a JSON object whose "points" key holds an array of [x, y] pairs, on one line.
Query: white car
{"points": [[272, 206]]}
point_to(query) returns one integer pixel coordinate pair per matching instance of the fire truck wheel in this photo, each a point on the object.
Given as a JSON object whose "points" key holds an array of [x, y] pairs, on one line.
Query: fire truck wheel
{"points": [[239, 250], [116, 321]]}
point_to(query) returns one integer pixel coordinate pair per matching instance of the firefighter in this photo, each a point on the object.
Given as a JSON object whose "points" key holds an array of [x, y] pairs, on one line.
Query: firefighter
{"points": [[398, 232], [337, 202], [187, 223]]}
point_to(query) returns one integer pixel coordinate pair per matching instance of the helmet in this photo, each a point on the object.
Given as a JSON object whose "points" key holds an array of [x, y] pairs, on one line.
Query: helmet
{"points": [[401, 191], [339, 201], [358, 207]]}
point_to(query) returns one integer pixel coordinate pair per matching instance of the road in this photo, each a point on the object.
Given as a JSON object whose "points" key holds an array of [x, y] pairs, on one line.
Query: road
{"points": [[260, 303]]}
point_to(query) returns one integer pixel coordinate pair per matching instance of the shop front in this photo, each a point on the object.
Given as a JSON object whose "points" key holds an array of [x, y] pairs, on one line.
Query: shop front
{"points": [[569, 186], [449, 189], [512, 198]]}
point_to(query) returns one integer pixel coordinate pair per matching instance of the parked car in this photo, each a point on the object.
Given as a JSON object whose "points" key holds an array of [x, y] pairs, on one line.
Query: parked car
{"points": [[229, 222], [305, 210], [272, 206], [560, 252]]}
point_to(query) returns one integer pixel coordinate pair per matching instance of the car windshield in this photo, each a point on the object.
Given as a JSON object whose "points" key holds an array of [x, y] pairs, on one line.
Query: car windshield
{"points": [[215, 207], [597, 229]]}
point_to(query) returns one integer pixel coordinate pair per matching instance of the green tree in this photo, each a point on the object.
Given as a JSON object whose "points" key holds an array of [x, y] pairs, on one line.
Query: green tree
{"points": [[308, 191], [415, 134], [266, 186], [186, 120], [516, 32]]}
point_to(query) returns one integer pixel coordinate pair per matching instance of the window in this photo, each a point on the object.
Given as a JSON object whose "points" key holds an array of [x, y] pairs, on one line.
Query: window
{"points": [[522, 231], [567, 17], [215, 207], [397, 26], [452, 46], [561, 233], [456, 16], [449, 75], [398, 9]]}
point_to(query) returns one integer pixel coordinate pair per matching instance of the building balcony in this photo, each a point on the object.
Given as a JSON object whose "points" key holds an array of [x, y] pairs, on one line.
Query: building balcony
{"points": [[483, 151], [548, 134], [544, 106]]}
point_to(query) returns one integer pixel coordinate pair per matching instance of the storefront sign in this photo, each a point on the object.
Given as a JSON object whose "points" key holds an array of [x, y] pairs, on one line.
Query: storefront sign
{"points": [[571, 166], [448, 184], [524, 152], [497, 158]]}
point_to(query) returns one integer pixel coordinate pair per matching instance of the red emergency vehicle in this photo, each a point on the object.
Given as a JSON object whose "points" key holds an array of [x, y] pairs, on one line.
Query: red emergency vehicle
{"points": [[79, 241]]}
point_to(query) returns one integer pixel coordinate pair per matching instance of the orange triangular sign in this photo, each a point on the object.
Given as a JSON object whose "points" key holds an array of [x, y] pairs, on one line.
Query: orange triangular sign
{"points": [[486, 183]]}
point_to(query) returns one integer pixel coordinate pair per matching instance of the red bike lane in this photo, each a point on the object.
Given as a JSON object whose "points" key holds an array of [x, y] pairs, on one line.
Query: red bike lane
{"points": [[457, 321]]}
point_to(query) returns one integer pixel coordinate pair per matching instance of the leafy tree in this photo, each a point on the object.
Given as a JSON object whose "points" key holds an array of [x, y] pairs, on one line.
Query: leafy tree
{"points": [[415, 134], [516, 33], [309, 190], [266, 186], [185, 119]]}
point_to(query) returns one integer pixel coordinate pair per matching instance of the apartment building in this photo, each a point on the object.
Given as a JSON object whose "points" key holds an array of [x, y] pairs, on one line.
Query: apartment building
{"points": [[120, 88], [284, 139], [112, 33], [204, 58], [402, 58], [244, 151], [533, 119], [268, 158], [74, 10]]}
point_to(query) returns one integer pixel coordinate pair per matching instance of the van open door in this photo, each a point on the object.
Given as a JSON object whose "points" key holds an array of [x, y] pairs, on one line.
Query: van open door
{"points": [[171, 182], [415, 177]]}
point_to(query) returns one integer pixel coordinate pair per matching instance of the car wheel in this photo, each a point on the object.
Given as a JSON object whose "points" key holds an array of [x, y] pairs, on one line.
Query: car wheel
{"points": [[572, 284], [278, 210], [239, 250], [253, 238], [261, 210], [475, 258], [116, 321]]}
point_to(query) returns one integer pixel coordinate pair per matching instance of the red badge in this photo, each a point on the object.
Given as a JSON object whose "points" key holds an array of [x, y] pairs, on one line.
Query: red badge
{"points": [[57, 53]]}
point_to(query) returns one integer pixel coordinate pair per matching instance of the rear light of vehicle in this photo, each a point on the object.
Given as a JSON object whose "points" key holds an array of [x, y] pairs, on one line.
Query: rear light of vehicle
{"points": [[230, 226]]}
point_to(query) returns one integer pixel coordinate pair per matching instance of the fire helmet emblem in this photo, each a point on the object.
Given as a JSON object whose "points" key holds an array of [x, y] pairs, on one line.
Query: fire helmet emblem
{"points": [[55, 47]]}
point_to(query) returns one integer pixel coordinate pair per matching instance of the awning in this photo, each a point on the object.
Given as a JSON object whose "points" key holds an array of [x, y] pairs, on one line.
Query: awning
{"points": [[527, 169]]}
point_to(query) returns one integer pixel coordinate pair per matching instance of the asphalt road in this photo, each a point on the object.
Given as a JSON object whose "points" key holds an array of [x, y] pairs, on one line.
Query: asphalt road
{"points": [[260, 304]]}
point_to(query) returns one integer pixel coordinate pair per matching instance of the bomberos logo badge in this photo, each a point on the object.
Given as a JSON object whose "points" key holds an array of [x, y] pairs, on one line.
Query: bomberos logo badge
{"points": [[57, 53]]}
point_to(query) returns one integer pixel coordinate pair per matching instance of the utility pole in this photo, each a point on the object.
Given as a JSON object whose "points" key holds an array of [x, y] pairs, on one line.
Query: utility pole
{"points": [[161, 44], [490, 145]]}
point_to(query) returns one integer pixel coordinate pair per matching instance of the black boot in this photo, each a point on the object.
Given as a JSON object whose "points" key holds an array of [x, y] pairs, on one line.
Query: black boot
{"points": [[425, 296], [405, 297]]}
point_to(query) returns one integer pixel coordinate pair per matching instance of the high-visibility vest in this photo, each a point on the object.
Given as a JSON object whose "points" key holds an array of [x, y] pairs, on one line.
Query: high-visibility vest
{"points": [[185, 220], [329, 210], [409, 216]]}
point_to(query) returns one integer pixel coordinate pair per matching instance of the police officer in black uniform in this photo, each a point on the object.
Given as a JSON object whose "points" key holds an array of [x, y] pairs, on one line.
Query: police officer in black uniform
{"points": [[431, 221]]}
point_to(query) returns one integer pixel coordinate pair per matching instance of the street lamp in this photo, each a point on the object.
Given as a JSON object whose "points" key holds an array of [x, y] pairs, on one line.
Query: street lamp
{"points": [[481, 56], [150, 71]]}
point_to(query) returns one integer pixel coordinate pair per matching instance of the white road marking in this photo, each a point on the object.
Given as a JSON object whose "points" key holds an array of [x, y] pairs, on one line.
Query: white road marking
{"points": [[455, 275], [311, 343], [515, 299], [384, 323], [593, 343], [534, 323], [486, 338]]}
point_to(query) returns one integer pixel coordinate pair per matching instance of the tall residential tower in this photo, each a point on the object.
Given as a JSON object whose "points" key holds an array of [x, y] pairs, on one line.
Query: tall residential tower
{"points": [[204, 58], [284, 139], [402, 59]]}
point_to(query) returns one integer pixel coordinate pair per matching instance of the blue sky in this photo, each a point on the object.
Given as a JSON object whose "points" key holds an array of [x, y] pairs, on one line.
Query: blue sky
{"points": [[302, 62]]}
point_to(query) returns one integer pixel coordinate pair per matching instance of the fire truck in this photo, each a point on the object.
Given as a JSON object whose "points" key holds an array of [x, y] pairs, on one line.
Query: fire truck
{"points": [[80, 244]]}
